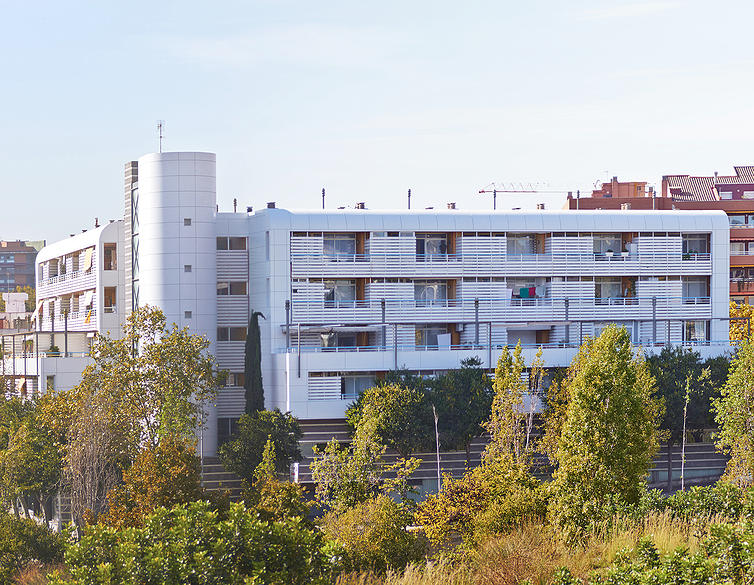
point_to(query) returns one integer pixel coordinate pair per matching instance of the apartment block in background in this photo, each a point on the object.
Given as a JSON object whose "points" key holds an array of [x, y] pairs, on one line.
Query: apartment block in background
{"points": [[733, 194], [17, 263]]}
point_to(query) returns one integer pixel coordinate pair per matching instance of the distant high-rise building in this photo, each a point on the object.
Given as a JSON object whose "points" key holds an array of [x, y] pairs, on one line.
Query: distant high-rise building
{"points": [[17, 263]]}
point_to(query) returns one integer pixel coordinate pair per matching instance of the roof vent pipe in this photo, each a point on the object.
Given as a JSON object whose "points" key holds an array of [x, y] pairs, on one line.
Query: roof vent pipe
{"points": [[270, 205], [452, 205], [361, 205], [540, 206]]}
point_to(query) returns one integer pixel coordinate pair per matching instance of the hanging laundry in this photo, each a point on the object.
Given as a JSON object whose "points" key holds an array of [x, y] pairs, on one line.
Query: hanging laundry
{"points": [[524, 293], [532, 291]]}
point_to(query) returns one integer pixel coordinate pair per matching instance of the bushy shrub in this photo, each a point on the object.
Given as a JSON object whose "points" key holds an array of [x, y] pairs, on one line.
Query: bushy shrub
{"points": [[722, 499], [372, 536], [193, 544], [23, 541]]}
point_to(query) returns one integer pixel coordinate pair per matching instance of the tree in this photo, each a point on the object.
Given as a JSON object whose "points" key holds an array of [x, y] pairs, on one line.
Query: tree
{"points": [[244, 452], [401, 417], [271, 498], [253, 366], [609, 435], [164, 475], [30, 463], [671, 369], [734, 412], [463, 398], [741, 320], [148, 385], [507, 422], [193, 544]]}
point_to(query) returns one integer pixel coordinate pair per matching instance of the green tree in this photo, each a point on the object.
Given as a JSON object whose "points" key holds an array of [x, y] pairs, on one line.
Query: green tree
{"points": [[741, 320], [194, 544], [30, 463], [609, 435], [148, 385], [254, 391], [463, 399], [734, 412], [401, 417], [23, 542], [672, 368], [271, 498], [243, 453]]}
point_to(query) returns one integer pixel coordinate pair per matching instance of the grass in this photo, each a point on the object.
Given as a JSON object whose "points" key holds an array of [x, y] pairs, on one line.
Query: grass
{"points": [[533, 552]]}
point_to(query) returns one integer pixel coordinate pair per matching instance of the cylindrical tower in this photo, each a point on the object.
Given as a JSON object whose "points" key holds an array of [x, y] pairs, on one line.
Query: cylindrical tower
{"points": [[177, 248]]}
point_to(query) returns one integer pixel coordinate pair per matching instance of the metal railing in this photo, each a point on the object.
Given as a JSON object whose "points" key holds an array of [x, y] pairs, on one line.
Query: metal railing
{"points": [[500, 256]]}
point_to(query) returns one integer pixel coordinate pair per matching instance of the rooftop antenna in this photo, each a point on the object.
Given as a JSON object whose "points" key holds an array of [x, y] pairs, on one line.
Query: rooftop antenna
{"points": [[409, 198], [160, 129], [323, 197]]}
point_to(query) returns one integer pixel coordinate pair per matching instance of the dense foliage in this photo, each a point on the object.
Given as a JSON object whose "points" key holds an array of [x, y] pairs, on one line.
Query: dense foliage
{"points": [[243, 453], [23, 541], [192, 544]]}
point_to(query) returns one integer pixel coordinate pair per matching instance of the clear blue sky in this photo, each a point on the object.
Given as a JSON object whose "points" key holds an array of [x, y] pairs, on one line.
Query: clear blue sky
{"points": [[366, 99]]}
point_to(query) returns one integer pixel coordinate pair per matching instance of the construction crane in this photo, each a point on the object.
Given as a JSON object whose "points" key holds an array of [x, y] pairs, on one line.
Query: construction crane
{"points": [[536, 187]]}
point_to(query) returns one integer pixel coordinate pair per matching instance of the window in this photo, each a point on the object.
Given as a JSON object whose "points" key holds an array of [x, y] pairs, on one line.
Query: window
{"points": [[186, 221], [339, 247], [695, 244], [737, 248], [606, 289], [110, 299], [50, 381], [235, 379], [332, 339], [695, 289], [231, 243], [351, 387], [187, 267], [726, 195], [737, 220], [432, 336], [431, 293], [226, 429], [109, 257], [187, 314], [607, 243], [521, 244], [340, 293], [237, 288], [737, 273], [431, 247], [696, 331], [231, 334]]}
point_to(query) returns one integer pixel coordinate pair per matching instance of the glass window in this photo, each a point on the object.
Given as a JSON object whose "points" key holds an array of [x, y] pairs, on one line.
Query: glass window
{"points": [[431, 293], [431, 247], [427, 335], [223, 334], [353, 386], [605, 243], [522, 244], [737, 273], [606, 288], [695, 289], [231, 288], [332, 339], [696, 330], [695, 244], [238, 333], [340, 293], [222, 243], [736, 220], [236, 243], [339, 247], [737, 248]]}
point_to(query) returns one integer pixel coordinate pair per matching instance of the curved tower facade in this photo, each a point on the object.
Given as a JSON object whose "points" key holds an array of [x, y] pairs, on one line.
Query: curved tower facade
{"points": [[176, 248]]}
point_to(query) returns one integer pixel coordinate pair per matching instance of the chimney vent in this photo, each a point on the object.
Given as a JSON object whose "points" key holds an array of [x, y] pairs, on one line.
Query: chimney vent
{"points": [[361, 205], [452, 205], [540, 206], [249, 209], [96, 222], [270, 205]]}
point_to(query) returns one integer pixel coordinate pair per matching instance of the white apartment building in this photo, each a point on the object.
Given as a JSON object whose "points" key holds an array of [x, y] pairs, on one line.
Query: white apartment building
{"points": [[350, 294]]}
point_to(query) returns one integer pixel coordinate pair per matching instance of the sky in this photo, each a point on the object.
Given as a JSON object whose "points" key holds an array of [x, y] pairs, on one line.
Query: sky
{"points": [[366, 99]]}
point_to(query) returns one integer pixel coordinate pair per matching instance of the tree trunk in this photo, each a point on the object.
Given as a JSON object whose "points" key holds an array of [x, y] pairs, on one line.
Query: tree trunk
{"points": [[670, 465]]}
